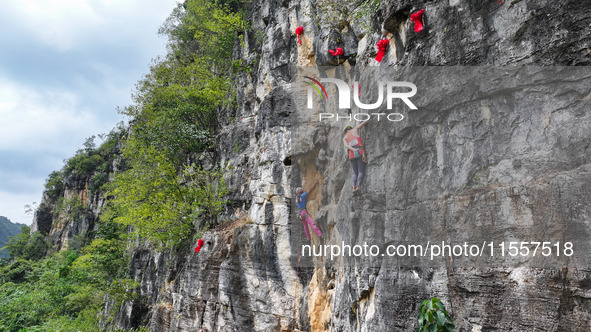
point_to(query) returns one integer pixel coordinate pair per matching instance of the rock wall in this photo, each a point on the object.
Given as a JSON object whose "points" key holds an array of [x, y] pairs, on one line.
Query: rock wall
{"points": [[73, 210], [499, 168], [532, 166]]}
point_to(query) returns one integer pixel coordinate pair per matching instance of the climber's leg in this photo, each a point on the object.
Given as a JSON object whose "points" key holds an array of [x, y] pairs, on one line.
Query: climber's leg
{"points": [[355, 172], [313, 225], [304, 216], [361, 168]]}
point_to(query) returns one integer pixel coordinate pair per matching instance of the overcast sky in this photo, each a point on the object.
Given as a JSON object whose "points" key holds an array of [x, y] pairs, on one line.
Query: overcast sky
{"points": [[65, 66]]}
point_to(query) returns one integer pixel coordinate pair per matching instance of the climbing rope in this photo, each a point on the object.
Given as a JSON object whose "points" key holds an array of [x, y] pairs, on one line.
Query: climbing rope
{"points": [[295, 295]]}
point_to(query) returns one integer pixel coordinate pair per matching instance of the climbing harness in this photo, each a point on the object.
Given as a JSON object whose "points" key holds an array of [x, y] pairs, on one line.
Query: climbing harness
{"points": [[299, 31], [356, 143], [382, 45], [359, 153], [303, 216], [418, 19]]}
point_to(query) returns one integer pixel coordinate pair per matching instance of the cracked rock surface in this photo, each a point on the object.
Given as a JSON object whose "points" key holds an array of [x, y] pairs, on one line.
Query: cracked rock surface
{"points": [[494, 168]]}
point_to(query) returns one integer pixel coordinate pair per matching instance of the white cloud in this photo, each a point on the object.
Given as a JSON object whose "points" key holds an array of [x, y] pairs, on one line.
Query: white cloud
{"points": [[12, 206], [56, 22], [64, 24], [42, 120], [65, 66]]}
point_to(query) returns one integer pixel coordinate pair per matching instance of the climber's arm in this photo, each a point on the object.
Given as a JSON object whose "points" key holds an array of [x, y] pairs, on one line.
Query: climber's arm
{"points": [[313, 186], [356, 129], [362, 124], [347, 145]]}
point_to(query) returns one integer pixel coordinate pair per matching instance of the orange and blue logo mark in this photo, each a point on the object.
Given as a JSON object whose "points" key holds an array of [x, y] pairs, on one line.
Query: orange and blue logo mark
{"points": [[316, 88]]}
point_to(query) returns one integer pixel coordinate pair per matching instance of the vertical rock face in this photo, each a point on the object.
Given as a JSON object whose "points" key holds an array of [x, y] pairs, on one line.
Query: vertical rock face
{"points": [[461, 171], [73, 211], [74, 196], [497, 169]]}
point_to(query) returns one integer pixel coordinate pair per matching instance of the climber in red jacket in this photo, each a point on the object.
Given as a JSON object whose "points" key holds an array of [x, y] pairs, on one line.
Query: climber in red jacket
{"points": [[301, 201], [354, 145]]}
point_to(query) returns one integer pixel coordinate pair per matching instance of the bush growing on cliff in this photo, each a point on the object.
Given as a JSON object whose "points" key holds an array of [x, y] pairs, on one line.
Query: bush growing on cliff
{"points": [[162, 188], [90, 164], [176, 105], [166, 190], [27, 246], [160, 202], [433, 317], [338, 14], [64, 291], [54, 185]]}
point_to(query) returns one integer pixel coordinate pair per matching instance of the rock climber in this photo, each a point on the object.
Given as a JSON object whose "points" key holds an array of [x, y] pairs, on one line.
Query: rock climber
{"points": [[301, 201], [354, 145]]}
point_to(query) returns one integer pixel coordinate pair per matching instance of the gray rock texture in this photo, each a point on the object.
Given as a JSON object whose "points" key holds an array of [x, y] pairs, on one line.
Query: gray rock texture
{"points": [[452, 170], [475, 163], [72, 211]]}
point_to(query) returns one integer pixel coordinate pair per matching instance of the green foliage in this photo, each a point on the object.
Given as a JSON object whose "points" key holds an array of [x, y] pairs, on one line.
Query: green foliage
{"points": [[54, 185], [17, 272], [83, 163], [175, 119], [90, 164], [176, 104], [48, 300], [338, 14], [241, 66], [160, 191], [16, 244], [204, 31], [36, 247], [7, 229], [105, 255], [160, 202], [24, 245], [433, 317], [98, 180], [71, 208], [65, 291], [78, 241]]}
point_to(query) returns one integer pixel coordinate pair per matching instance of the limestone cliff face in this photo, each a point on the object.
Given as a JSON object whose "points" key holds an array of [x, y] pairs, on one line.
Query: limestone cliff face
{"points": [[72, 206], [464, 172], [503, 168]]}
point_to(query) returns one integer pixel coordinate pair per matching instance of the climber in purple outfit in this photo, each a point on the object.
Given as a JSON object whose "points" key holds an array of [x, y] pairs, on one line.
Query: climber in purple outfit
{"points": [[301, 201]]}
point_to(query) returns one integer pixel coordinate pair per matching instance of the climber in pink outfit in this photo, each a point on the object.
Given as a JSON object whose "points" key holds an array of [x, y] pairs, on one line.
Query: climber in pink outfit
{"points": [[301, 201], [356, 151]]}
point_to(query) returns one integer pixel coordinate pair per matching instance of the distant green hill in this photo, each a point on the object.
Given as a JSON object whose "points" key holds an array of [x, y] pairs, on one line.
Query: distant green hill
{"points": [[7, 228]]}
